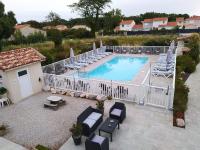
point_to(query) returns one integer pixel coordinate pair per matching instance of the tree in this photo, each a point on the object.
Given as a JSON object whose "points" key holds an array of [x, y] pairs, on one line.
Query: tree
{"points": [[111, 19], [53, 18], [7, 23], [91, 10], [55, 36]]}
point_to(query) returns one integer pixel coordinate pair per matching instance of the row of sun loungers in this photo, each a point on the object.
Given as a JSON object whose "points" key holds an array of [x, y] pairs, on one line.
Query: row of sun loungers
{"points": [[87, 58], [164, 66]]}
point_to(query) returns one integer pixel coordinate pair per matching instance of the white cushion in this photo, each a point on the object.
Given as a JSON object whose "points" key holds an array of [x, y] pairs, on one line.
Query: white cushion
{"points": [[98, 139], [116, 112], [95, 116], [89, 122]]}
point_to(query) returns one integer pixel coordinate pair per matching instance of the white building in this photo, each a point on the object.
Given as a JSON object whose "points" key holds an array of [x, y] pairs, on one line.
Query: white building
{"points": [[126, 25], [180, 21], [27, 30], [81, 27], [192, 22], [154, 23], [137, 27], [168, 26], [21, 72]]}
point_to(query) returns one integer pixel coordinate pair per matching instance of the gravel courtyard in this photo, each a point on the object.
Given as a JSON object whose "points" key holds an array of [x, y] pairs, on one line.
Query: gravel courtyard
{"points": [[31, 124]]}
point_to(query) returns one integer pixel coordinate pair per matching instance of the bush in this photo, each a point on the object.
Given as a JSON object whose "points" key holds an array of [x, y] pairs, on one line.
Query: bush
{"points": [[76, 33], [193, 44], [186, 64], [2, 90], [41, 147], [55, 36], [181, 96]]}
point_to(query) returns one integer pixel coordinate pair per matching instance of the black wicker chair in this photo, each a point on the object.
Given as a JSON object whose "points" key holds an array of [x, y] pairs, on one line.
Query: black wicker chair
{"points": [[118, 111], [81, 118], [95, 142]]}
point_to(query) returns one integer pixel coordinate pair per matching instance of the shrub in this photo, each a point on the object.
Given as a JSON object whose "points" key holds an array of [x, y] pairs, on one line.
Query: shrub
{"points": [[181, 96], [186, 64], [55, 36], [76, 130], [41, 147], [2, 90]]}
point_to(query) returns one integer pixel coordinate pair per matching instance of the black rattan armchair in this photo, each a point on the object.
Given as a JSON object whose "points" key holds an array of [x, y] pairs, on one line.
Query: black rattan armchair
{"points": [[118, 111]]}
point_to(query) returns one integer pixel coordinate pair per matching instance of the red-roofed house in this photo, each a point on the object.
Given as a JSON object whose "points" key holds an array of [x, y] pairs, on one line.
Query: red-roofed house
{"points": [[193, 21], [126, 25], [180, 21], [117, 29], [168, 26], [149, 24], [138, 27], [21, 72]]}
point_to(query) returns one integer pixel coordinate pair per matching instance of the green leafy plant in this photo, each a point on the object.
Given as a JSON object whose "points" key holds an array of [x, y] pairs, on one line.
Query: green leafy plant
{"points": [[109, 97], [100, 105], [41, 147], [76, 130], [186, 63], [3, 129], [3, 90]]}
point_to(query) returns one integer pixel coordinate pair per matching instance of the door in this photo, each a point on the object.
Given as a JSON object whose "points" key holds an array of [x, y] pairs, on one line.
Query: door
{"points": [[25, 83]]}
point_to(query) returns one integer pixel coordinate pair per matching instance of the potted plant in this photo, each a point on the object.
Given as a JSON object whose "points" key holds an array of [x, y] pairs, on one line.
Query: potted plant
{"points": [[3, 92], [109, 97], [76, 131], [3, 129], [100, 106]]}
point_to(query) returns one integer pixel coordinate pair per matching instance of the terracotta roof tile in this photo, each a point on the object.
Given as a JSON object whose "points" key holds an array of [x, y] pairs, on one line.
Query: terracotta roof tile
{"points": [[19, 26], [169, 24], [19, 57], [179, 19], [126, 21], [193, 18], [138, 26]]}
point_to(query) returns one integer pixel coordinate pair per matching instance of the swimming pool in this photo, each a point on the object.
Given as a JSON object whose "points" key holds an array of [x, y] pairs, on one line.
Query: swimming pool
{"points": [[119, 68]]}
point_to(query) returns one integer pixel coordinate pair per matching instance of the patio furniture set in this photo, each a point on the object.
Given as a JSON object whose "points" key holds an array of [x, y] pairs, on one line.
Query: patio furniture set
{"points": [[54, 102], [91, 118]]}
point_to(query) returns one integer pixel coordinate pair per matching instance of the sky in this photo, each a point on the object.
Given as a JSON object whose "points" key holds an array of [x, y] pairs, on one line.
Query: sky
{"points": [[38, 9]]}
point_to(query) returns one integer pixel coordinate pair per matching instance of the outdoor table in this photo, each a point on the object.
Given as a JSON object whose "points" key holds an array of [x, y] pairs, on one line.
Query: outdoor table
{"points": [[54, 99], [109, 126]]}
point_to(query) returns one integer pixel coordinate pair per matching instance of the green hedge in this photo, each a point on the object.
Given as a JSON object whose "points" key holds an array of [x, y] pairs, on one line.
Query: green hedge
{"points": [[185, 63]]}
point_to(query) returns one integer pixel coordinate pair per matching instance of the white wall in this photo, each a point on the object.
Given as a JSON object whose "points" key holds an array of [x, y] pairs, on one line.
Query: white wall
{"points": [[157, 23], [26, 31], [127, 27], [12, 84], [148, 26]]}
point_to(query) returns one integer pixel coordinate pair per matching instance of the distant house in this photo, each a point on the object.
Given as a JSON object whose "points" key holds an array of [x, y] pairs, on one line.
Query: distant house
{"points": [[61, 27], [180, 21], [117, 29], [126, 25], [138, 27], [154, 23], [27, 30], [76, 27], [168, 26], [21, 72], [192, 22]]}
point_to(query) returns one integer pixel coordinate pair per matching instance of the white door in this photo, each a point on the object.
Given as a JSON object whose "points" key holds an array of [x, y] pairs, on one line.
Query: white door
{"points": [[25, 83]]}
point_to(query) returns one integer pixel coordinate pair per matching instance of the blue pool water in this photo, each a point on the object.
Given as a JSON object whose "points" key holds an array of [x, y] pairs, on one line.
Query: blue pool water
{"points": [[119, 68]]}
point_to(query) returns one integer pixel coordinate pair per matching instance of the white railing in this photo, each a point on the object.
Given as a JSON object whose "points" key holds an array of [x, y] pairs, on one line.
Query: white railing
{"points": [[143, 93], [118, 90]]}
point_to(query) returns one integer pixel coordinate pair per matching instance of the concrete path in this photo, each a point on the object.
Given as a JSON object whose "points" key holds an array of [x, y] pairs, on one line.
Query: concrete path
{"points": [[147, 128], [8, 145]]}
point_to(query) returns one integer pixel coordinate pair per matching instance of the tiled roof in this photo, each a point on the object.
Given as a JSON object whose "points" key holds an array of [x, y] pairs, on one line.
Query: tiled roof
{"points": [[160, 19], [193, 18], [138, 26], [169, 24], [155, 19], [179, 19], [19, 57], [126, 22], [19, 26]]}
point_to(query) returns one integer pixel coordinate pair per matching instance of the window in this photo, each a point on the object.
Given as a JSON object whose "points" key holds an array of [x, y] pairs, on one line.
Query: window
{"points": [[22, 73]]}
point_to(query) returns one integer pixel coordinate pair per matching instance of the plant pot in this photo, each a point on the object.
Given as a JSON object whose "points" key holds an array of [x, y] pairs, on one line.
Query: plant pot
{"points": [[77, 139], [2, 132]]}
